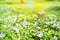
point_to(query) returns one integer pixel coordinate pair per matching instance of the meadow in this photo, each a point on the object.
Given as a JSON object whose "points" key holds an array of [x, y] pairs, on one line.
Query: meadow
{"points": [[21, 21]]}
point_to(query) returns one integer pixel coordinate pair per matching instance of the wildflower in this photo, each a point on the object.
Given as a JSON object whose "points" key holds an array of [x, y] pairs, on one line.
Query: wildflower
{"points": [[8, 18], [16, 25], [21, 15], [35, 23], [54, 23], [47, 23], [16, 30], [55, 38], [38, 27], [2, 35], [24, 22], [24, 26], [52, 15], [2, 10], [58, 26], [38, 19], [9, 25], [14, 9], [40, 34], [8, 12], [14, 18]]}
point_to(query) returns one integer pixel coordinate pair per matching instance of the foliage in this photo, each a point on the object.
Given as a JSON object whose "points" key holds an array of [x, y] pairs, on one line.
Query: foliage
{"points": [[27, 27]]}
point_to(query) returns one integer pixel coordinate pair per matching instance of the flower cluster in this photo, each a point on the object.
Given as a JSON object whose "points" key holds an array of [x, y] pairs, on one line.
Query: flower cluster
{"points": [[28, 27]]}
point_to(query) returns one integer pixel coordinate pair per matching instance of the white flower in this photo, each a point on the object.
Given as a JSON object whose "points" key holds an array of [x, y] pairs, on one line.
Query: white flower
{"points": [[21, 15], [24, 22], [35, 23], [55, 38], [55, 23], [8, 18], [10, 26], [8, 12], [47, 23], [24, 26], [16, 24], [38, 27], [39, 19], [14, 18], [40, 34], [14, 9], [1, 9], [52, 15], [58, 26], [2, 35], [16, 30]]}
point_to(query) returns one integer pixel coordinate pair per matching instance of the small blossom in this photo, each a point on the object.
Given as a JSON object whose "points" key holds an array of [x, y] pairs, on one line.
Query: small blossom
{"points": [[40, 34], [35, 23], [21, 15], [10, 26], [38, 27], [55, 38], [14, 9], [16, 25], [24, 26], [58, 26], [24, 22], [52, 15], [2, 35], [8, 18], [55, 23], [38, 19], [47, 23], [14, 18], [16, 30], [8, 12]]}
